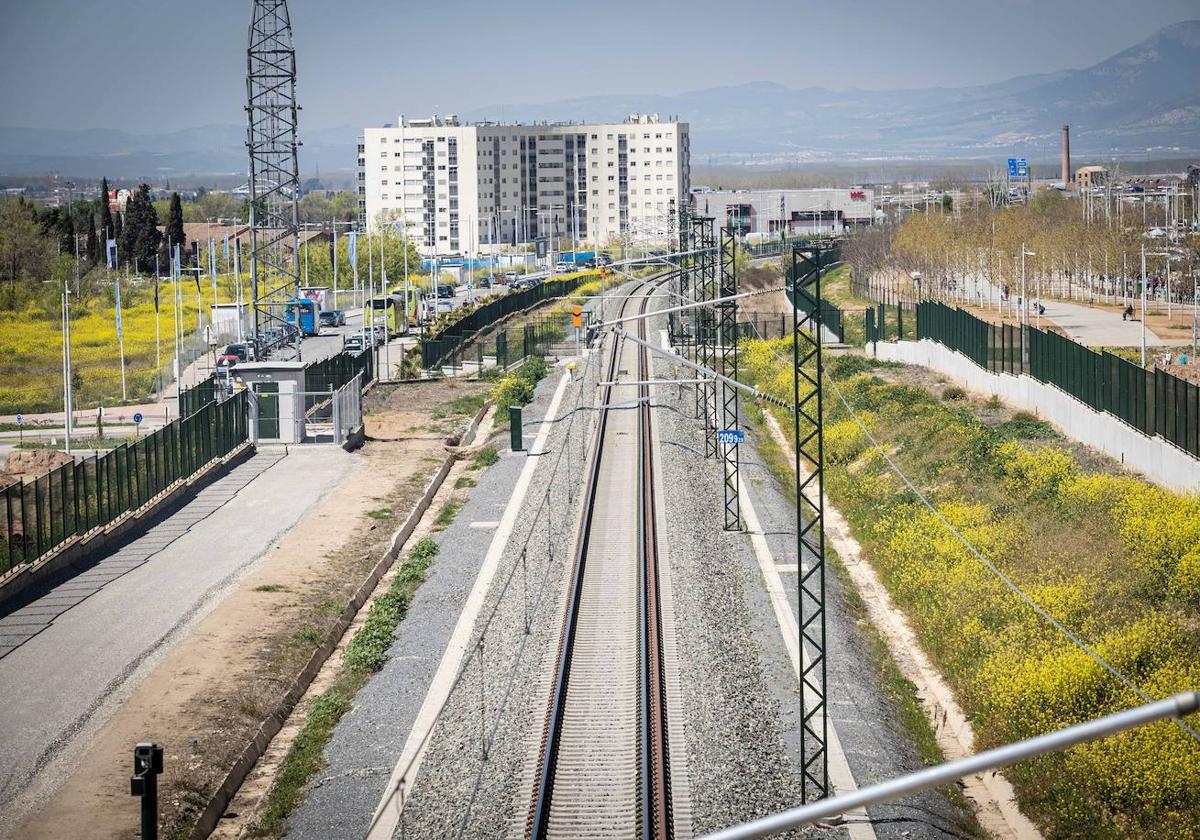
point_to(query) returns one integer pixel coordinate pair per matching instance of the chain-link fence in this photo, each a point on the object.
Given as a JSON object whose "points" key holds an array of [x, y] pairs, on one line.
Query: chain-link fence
{"points": [[82, 496], [1153, 401], [322, 378]]}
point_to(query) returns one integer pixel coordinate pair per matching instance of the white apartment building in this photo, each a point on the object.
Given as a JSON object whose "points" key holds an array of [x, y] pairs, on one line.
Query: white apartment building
{"points": [[467, 188]]}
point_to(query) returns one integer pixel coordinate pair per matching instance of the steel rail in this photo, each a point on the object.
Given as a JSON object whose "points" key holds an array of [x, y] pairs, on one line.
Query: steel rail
{"points": [[653, 805], [539, 815]]}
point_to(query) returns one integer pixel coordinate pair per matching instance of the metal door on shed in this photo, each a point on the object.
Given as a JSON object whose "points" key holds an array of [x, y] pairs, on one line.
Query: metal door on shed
{"points": [[268, 409]]}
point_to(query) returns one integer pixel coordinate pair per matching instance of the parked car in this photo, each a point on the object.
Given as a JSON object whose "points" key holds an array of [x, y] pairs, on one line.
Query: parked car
{"points": [[234, 353], [603, 259], [444, 306], [523, 283], [354, 343], [564, 266], [483, 283], [511, 277], [381, 334], [445, 291], [333, 318]]}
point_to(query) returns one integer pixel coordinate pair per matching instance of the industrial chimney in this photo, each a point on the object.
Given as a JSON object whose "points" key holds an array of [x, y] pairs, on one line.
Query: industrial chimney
{"points": [[1066, 157]]}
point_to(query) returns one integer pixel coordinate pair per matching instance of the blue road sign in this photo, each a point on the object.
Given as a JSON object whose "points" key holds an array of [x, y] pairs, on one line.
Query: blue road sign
{"points": [[729, 437], [1018, 167], [20, 420], [137, 417]]}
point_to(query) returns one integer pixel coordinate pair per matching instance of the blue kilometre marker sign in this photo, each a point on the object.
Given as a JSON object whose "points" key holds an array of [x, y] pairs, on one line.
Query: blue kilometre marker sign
{"points": [[728, 437]]}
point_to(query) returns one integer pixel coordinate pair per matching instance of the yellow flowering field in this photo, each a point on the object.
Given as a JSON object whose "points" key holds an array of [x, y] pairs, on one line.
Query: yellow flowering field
{"points": [[1113, 558], [31, 346]]}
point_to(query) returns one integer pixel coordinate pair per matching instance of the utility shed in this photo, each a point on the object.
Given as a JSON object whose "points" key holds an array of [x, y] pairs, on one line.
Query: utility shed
{"points": [[276, 399]]}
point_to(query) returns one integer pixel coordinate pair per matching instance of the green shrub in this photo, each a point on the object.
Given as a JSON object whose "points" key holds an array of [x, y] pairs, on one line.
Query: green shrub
{"points": [[953, 392]]}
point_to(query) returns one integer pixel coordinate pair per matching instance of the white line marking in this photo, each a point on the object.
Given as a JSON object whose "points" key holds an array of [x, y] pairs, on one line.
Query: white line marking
{"points": [[387, 816], [485, 523], [839, 768]]}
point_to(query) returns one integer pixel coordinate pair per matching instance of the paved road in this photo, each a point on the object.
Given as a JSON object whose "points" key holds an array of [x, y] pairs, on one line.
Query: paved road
{"points": [[88, 637]]}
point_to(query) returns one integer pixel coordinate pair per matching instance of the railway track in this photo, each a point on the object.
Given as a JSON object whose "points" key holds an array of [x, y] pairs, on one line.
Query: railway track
{"points": [[604, 766]]}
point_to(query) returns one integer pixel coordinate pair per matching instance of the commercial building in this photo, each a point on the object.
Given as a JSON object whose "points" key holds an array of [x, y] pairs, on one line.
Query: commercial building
{"points": [[483, 187], [798, 212]]}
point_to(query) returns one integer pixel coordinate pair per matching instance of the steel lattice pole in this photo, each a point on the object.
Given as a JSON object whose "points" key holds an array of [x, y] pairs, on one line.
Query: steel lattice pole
{"points": [[805, 283], [274, 182], [706, 282], [729, 368]]}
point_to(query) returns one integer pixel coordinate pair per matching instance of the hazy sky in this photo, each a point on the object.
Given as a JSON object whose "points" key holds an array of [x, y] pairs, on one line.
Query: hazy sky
{"points": [[151, 65]]}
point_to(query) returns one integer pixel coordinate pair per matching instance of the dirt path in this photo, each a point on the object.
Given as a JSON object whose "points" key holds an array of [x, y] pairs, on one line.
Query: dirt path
{"points": [[209, 694], [251, 798]]}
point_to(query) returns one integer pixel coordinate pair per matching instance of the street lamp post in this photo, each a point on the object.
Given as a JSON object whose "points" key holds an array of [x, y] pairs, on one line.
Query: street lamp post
{"points": [[1143, 306], [1024, 298]]}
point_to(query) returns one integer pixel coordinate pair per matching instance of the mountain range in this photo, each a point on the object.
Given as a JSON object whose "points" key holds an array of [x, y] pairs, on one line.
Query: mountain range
{"points": [[1142, 101]]}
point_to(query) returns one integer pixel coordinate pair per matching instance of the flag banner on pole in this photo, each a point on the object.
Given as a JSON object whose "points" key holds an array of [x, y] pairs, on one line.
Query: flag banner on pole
{"points": [[117, 295], [352, 249], [111, 252], [226, 254], [212, 267]]}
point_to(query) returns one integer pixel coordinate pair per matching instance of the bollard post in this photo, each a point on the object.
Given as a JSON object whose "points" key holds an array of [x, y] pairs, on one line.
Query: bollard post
{"points": [[147, 765], [514, 428]]}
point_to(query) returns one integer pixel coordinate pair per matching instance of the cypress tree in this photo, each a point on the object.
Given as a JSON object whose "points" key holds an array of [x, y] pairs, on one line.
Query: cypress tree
{"points": [[106, 218], [93, 241], [67, 234], [139, 235], [118, 230], [174, 232]]}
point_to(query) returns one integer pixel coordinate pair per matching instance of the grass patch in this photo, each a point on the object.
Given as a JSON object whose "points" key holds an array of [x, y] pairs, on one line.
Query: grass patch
{"points": [[465, 482], [466, 405], [446, 514], [307, 636], [380, 513], [485, 457], [517, 387], [364, 655], [952, 392], [271, 587]]}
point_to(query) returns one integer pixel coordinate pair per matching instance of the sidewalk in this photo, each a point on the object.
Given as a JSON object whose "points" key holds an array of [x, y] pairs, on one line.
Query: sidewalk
{"points": [[1087, 325], [1097, 327], [72, 653]]}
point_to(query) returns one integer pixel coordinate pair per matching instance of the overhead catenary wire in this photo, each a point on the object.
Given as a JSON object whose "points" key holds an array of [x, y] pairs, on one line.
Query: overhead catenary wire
{"points": [[591, 363]]}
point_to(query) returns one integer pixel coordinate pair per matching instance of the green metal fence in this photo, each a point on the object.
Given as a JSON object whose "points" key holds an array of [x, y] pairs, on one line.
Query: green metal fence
{"points": [[449, 345], [512, 342], [201, 394], [1152, 401], [76, 498]]}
